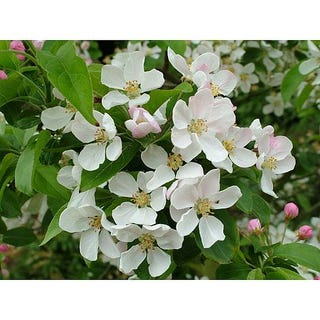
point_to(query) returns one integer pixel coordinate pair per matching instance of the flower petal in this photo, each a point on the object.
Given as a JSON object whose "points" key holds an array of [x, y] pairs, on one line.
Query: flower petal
{"points": [[207, 62], [243, 157], [226, 198], [176, 214], [178, 62], [144, 98], [123, 185], [162, 175], [158, 199], [112, 77], [152, 79], [209, 184], [180, 138], [225, 80], [114, 149], [114, 98], [131, 259], [89, 243], [170, 240], [190, 170], [122, 214], [213, 148], [211, 231], [65, 177], [184, 197], [126, 233], [56, 118], [144, 215], [181, 115], [187, 223], [266, 183], [92, 155], [159, 262], [134, 68], [107, 245], [308, 66], [71, 220], [285, 165], [154, 156]]}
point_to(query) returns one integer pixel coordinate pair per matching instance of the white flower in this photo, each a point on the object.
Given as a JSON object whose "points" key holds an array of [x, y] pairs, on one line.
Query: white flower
{"points": [[274, 158], [145, 203], [132, 80], [258, 131], [275, 105], [198, 124], [313, 63], [234, 141], [104, 142], [231, 48], [192, 201], [152, 239], [168, 167], [69, 175], [245, 76], [82, 215]]}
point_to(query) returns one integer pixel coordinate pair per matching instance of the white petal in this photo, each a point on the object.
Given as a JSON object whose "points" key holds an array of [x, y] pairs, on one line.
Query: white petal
{"points": [[225, 80], [178, 62], [201, 103], [89, 243], [190, 152], [131, 259], [187, 223], [162, 175], [112, 77], [308, 66], [83, 130], [158, 199], [114, 98], [154, 156], [243, 157], [184, 197], [123, 213], [211, 231], [209, 184], [200, 79], [285, 165], [226, 164], [159, 262], [134, 68], [109, 126], [127, 233], [266, 183], [213, 148], [152, 80], [71, 220], [107, 245], [170, 240], [65, 177], [144, 215], [83, 198], [190, 170], [280, 146], [92, 155], [207, 62], [157, 230], [123, 185], [176, 214], [56, 118], [226, 198], [114, 149], [144, 98], [181, 115], [180, 138], [143, 178]]}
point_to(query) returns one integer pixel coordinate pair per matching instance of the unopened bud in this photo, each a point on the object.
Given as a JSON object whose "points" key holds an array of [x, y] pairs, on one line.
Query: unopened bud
{"points": [[3, 75], [317, 278], [4, 247], [305, 233], [18, 46], [291, 210], [254, 226]]}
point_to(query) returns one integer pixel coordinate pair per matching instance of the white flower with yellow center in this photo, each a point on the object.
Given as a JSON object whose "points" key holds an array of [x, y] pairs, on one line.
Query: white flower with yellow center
{"points": [[131, 80], [102, 139], [144, 202], [234, 141], [194, 205], [313, 63], [274, 158], [196, 125], [152, 240], [275, 104], [83, 216], [245, 76], [168, 166]]}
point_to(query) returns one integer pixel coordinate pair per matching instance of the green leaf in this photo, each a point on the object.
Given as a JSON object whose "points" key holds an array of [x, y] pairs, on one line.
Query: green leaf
{"points": [[8, 161], [8, 60], [301, 253], [185, 87], [188, 251], [3, 227], [92, 179], [255, 274], [53, 45], [178, 46], [261, 209], [11, 203], [278, 273], [290, 83], [158, 97], [95, 73], [19, 237], [69, 74], [232, 271], [53, 228], [304, 95]]}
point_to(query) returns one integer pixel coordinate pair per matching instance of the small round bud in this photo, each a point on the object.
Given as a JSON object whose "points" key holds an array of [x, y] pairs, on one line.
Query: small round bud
{"points": [[3, 75], [4, 247], [317, 278], [18, 46], [254, 226], [305, 233], [291, 210]]}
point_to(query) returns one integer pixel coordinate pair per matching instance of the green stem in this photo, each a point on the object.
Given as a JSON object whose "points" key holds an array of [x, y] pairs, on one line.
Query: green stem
{"points": [[284, 231]]}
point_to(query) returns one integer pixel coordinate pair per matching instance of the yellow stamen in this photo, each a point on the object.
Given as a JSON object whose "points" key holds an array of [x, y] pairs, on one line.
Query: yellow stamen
{"points": [[141, 199], [147, 242], [215, 90], [229, 145], [101, 135], [174, 161], [198, 126], [270, 163], [132, 88], [95, 222], [203, 207]]}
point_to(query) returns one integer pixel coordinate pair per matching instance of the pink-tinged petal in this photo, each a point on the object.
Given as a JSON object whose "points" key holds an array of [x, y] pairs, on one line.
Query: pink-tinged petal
{"points": [[189, 171], [72, 221], [92, 155], [114, 149], [144, 98], [162, 175], [243, 158], [225, 80], [308, 66], [158, 199], [113, 77], [123, 185], [213, 148], [181, 115], [285, 165], [264, 144], [123, 213], [178, 62], [211, 231], [159, 262], [184, 197], [266, 183], [141, 130], [89, 243], [201, 103], [226, 198], [56, 118], [170, 240], [209, 184], [134, 68], [176, 214], [152, 80], [200, 79], [131, 259], [280, 147], [114, 98], [225, 164], [207, 62], [154, 156], [180, 138], [144, 215], [187, 223], [107, 245], [242, 136], [126, 233]]}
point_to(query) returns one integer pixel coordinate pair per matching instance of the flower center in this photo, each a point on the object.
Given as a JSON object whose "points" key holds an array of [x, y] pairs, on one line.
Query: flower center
{"points": [[95, 222], [147, 242], [132, 88], [270, 163], [276, 103], [198, 126], [244, 76], [203, 207], [70, 108], [229, 145], [65, 161], [141, 199], [215, 90], [100, 135], [174, 161]]}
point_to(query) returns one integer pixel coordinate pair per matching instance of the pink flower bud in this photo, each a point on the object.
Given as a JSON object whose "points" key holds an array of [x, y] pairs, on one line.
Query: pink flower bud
{"points": [[38, 44], [18, 45], [4, 247], [3, 75], [317, 278], [254, 226], [291, 210], [305, 233]]}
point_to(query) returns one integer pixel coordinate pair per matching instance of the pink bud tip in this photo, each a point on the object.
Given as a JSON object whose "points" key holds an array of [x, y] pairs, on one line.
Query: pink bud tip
{"points": [[4, 247], [291, 210], [19, 46], [317, 278], [3, 75], [305, 233], [254, 226]]}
